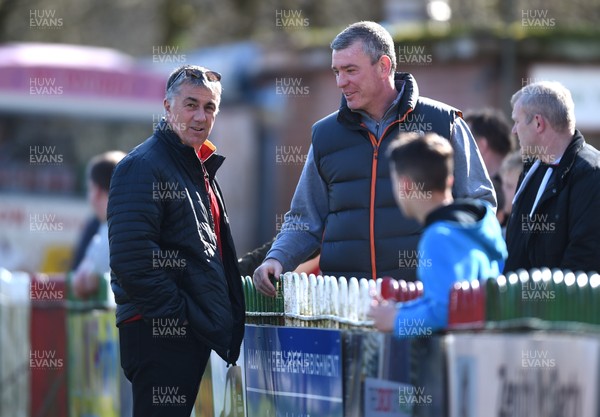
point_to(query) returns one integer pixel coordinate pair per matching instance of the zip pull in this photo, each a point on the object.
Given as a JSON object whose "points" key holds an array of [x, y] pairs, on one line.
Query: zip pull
{"points": [[376, 152], [208, 202], [205, 172]]}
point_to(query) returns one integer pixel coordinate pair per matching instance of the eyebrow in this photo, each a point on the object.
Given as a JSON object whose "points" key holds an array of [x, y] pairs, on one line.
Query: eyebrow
{"points": [[195, 100], [344, 66]]}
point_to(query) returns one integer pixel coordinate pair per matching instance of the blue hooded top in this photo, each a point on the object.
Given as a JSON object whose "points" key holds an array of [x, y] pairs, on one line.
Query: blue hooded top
{"points": [[461, 242]]}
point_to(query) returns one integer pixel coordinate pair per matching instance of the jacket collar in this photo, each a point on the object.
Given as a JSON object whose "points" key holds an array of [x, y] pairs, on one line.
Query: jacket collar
{"points": [[558, 179], [407, 102], [568, 159], [207, 150], [207, 155]]}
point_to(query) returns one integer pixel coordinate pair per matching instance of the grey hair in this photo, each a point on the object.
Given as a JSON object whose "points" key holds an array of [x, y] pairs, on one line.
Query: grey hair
{"points": [[375, 39], [175, 81], [550, 99]]}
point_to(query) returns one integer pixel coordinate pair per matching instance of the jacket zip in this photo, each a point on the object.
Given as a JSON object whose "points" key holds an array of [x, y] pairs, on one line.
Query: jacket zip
{"points": [[206, 197], [376, 144], [204, 178]]}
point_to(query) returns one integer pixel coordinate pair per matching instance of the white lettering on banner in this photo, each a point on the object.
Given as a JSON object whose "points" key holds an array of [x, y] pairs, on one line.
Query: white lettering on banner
{"points": [[295, 395], [294, 362]]}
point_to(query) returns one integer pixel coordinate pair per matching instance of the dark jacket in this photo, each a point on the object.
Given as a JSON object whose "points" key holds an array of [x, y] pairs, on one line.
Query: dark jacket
{"points": [[163, 249], [355, 239], [564, 231]]}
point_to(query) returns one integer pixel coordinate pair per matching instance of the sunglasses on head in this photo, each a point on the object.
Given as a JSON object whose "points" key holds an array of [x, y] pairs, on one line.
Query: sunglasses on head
{"points": [[196, 73]]}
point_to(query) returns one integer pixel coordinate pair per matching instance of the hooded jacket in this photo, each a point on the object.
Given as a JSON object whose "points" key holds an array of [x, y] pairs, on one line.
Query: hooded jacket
{"points": [[163, 249], [461, 242]]}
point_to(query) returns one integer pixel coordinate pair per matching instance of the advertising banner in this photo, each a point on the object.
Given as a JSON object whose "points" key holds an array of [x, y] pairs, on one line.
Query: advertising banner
{"points": [[293, 372], [523, 375], [222, 392], [94, 369], [410, 381], [382, 399]]}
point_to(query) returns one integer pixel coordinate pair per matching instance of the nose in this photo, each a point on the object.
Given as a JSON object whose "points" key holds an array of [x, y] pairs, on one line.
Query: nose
{"points": [[200, 115], [514, 129], [341, 80]]}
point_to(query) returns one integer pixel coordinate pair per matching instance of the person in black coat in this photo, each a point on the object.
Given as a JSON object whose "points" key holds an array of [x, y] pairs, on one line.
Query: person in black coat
{"points": [[554, 221], [174, 267]]}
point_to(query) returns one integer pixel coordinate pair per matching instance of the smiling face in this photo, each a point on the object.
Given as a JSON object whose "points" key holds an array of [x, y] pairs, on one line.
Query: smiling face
{"points": [[191, 113], [361, 81]]}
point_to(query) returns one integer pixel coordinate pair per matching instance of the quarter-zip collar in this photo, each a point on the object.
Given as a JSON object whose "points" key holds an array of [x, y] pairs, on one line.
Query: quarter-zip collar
{"points": [[391, 114], [207, 155]]}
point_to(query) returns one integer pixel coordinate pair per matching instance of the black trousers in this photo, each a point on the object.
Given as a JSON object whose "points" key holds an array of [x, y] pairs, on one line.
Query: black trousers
{"points": [[164, 363]]}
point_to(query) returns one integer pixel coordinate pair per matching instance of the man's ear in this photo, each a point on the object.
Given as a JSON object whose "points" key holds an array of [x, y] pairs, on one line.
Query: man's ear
{"points": [[540, 123], [385, 65], [167, 105]]}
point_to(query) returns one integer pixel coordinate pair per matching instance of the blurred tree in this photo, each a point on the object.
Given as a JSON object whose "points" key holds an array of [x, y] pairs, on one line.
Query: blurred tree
{"points": [[6, 6], [136, 26], [490, 14]]}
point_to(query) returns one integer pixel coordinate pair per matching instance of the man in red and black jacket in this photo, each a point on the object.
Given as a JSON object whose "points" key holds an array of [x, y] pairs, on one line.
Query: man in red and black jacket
{"points": [[173, 261]]}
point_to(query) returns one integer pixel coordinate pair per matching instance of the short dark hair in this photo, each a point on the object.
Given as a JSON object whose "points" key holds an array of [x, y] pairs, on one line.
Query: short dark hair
{"points": [[426, 159], [376, 41], [101, 167], [494, 126]]}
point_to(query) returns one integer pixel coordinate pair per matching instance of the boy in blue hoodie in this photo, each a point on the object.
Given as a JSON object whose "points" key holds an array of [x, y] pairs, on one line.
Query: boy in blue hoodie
{"points": [[462, 239]]}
